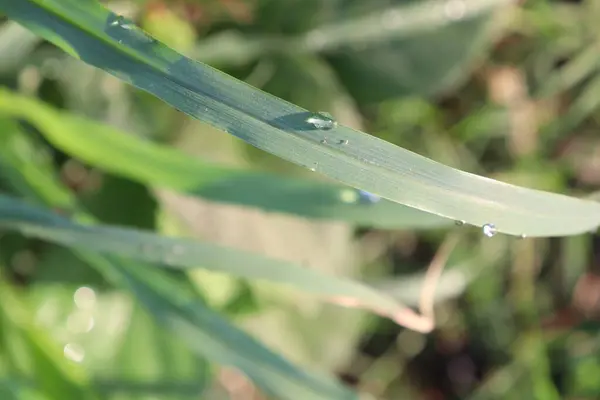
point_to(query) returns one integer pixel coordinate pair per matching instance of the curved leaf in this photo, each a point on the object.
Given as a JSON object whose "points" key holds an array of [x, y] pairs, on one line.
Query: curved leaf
{"points": [[208, 334], [112, 43], [185, 253], [171, 303], [152, 164]]}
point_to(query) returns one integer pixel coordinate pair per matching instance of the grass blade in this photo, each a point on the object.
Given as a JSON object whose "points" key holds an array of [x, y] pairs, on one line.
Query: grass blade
{"points": [[112, 43], [180, 252], [152, 164], [172, 304], [185, 253], [209, 335]]}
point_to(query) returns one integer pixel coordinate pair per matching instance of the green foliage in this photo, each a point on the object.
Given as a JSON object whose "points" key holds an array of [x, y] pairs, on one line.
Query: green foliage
{"points": [[209, 253]]}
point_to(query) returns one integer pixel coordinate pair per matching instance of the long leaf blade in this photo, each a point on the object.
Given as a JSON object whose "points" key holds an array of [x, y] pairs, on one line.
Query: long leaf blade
{"points": [[172, 304], [186, 253], [108, 41], [152, 164], [209, 335]]}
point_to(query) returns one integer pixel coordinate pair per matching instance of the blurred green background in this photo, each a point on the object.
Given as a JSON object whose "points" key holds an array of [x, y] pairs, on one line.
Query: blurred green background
{"points": [[512, 94]]}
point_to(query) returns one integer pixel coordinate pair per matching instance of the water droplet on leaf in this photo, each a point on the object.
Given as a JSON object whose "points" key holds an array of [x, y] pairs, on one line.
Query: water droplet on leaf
{"points": [[368, 197], [125, 31], [343, 141], [459, 223], [120, 20], [489, 230], [322, 121]]}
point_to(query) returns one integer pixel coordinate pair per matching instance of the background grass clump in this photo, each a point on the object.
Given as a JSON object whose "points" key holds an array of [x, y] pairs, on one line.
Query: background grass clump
{"points": [[501, 89]]}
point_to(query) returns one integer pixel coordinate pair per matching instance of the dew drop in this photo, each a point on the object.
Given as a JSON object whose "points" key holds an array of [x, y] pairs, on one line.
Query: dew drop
{"points": [[74, 352], [523, 236], [343, 142], [134, 33], [489, 230], [119, 21], [459, 223], [322, 121], [368, 197], [323, 141]]}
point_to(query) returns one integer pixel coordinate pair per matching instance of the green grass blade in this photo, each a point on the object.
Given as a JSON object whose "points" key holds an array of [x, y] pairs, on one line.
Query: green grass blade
{"points": [[108, 41], [152, 164], [204, 331], [207, 334], [186, 253], [180, 252]]}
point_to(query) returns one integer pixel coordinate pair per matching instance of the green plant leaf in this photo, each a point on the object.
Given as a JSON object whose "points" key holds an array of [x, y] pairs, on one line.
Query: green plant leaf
{"points": [[114, 44], [207, 334], [186, 253], [175, 306], [152, 164], [180, 252]]}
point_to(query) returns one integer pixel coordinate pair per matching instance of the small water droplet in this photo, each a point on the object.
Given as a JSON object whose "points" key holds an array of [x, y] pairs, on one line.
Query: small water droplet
{"points": [[455, 9], [489, 230], [322, 121], [74, 352], [523, 236], [323, 141], [124, 23], [368, 197], [459, 223], [120, 20], [343, 142], [134, 32]]}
